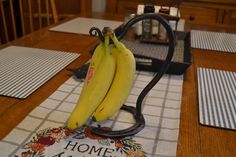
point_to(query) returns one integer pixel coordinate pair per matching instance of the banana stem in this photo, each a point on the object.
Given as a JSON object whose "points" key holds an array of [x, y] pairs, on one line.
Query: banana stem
{"points": [[107, 31], [106, 42], [117, 42]]}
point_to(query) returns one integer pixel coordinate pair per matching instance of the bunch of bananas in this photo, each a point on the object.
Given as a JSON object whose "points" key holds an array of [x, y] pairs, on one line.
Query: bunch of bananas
{"points": [[107, 84]]}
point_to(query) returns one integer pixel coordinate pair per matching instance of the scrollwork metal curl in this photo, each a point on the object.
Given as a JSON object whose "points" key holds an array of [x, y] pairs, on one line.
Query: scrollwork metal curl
{"points": [[94, 31]]}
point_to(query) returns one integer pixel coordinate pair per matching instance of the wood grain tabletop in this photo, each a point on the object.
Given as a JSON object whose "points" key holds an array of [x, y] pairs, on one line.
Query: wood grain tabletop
{"points": [[195, 140]]}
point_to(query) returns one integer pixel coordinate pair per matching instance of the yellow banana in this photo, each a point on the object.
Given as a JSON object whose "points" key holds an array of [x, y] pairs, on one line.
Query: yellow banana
{"points": [[122, 82], [95, 61], [97, 83]]}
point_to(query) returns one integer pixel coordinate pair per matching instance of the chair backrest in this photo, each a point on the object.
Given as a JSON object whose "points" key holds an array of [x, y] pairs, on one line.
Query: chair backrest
{"points": [[20, 17]]}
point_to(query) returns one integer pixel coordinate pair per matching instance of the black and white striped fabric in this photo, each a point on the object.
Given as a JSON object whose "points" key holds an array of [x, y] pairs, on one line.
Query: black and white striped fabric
{"points": [[216, 41], [217, 98], [156, 51], [23, 70]]}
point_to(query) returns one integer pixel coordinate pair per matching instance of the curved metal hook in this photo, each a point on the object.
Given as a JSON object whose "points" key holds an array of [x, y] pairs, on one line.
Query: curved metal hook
{"points": [[94, 31]]}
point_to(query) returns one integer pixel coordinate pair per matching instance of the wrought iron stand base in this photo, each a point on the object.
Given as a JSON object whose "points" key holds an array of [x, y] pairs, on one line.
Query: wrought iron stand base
{"points": [[138, 126], [137, 111]]}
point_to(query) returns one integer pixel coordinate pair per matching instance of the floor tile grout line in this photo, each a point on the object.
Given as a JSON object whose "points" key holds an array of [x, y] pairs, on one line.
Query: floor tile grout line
{"points": [[148, 125], [171, 108], [161, 98], [160, 139], [12, 143], [43, 119], [158, 106], [160, 121]]}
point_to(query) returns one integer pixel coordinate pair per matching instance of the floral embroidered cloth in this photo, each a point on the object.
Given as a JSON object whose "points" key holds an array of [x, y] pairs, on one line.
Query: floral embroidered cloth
{"points": [[43, 131], [63, 142]]}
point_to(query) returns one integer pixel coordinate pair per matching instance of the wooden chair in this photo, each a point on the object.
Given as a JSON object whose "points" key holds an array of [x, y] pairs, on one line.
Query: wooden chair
{"points": [[20, 17], [70, 8], [85, 7]]}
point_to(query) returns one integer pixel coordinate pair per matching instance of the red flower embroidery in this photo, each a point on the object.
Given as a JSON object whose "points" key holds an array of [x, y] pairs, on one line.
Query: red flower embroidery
{"points": [[46, 140], [56, 130], [68, 132], [25, 154], [135, 154], [118, 144], [37, 147], [47, 137]]}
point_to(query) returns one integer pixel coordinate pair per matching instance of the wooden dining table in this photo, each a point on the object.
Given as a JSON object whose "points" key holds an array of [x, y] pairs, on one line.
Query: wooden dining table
{"points": [[195, 140]]}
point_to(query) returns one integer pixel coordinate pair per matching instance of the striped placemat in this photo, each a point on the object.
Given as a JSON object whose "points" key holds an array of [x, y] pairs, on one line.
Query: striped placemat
{"points": [[155, 51], [24, 69], [81, 25], [217, 98], [42, 132], [216, 41]]}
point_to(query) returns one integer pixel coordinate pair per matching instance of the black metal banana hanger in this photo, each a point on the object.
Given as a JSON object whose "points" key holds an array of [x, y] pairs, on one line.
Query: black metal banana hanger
{"points": [[137, 111]]}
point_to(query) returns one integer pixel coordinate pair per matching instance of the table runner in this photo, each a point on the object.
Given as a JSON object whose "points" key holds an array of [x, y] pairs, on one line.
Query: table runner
{"points": [[217, 98], [216, 41], [82, 25], [24, 69], [43, 131]]}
